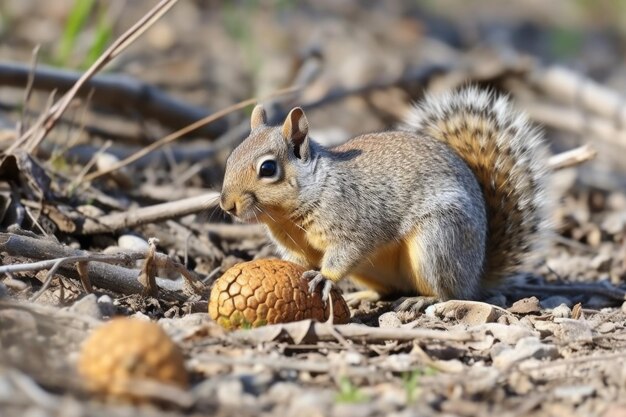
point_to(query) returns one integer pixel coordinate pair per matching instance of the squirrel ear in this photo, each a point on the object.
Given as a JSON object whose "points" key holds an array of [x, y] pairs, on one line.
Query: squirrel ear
{"points": [[258, 118], [296, 130]]}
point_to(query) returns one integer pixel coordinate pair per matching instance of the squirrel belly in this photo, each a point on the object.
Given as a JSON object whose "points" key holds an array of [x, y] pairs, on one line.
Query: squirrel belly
{"points": [[390, 270], [399, 264]]}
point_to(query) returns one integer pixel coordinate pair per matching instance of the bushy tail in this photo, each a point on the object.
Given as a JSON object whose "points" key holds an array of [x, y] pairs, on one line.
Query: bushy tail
{"points": [[509, 159]]}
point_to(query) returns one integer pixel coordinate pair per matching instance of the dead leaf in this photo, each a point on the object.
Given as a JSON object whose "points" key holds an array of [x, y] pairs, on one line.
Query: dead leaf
{"points": [[83, 273], [470, 313], [147, 277], [526, 306]]}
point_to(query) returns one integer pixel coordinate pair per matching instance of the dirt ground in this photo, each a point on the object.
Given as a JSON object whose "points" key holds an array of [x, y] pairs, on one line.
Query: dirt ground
{"points": [[551, 341]]}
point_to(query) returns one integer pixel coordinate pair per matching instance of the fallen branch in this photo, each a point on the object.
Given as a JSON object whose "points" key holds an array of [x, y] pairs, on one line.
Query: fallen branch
{"points": [[182, 132], [115, 91], [572, 157], [103, 275], [40, 129], [149, 214]]}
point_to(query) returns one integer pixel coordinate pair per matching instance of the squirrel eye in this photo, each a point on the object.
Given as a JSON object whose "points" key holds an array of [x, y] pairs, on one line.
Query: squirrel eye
{"points": [[267, 168]]}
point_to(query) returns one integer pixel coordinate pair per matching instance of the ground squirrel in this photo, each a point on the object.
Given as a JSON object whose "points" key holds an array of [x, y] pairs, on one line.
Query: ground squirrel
{"points": [[447, 204]]}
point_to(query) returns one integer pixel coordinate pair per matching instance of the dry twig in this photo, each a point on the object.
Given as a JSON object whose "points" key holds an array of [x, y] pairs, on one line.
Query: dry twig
{"points": [[182, 132], [150, 214], [103, 275], [38, 131], [115, 91], [572, 157]]}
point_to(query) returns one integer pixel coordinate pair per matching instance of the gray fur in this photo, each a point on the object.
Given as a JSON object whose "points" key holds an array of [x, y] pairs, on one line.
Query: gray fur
{"points": [[368, 199], [380, 188]]}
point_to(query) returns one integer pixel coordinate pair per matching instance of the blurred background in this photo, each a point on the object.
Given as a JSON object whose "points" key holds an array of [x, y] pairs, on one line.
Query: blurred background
{"points": [[211, 54]]}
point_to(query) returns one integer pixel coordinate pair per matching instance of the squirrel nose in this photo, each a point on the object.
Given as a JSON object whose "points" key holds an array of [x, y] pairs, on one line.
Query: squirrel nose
{"points": [[228, 206]]}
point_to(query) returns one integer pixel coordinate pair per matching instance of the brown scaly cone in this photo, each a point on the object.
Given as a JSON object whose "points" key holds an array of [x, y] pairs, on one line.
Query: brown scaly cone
{"points": [[125, 353], [269, 291]]}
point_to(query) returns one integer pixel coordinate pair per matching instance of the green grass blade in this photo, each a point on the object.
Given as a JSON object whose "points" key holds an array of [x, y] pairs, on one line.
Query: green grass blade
{"points": [[74, 25]]}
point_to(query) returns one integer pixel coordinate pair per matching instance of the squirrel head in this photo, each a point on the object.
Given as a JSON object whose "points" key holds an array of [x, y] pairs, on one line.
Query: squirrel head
{"points": [[261, 173]]}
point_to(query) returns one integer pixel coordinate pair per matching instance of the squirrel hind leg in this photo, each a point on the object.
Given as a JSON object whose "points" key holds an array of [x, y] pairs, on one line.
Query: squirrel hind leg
{"points": [[447, 256]]}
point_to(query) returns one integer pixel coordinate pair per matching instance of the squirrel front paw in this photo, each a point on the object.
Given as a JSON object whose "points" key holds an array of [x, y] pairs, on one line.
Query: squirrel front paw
{"points": [[315, 279]]}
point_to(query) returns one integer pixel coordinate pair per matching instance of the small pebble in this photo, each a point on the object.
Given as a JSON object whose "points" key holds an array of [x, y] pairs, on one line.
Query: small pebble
{"points": [[106, 160], [229, 392], [506, 334], [562, 311], [606, 327], [88, 306], [132, 242], [282, 392], [470, 313], [106, 306], [389, 319], [614, 223]]}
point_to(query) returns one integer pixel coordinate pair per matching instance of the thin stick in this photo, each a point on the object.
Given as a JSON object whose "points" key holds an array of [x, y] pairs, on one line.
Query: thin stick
{"points": [[182, 132], [114, 90], [150, 214], [29, 88], [103, 275], [572, 157], [122, 258], [37, 132], [47, 280]]}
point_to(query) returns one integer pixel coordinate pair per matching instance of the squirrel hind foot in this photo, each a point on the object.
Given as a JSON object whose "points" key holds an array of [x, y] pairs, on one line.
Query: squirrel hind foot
{"points": [[415, 304]]}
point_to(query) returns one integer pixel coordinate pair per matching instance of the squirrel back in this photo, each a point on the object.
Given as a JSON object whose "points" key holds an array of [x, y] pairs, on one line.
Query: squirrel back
{"points": [[509, 159]]}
